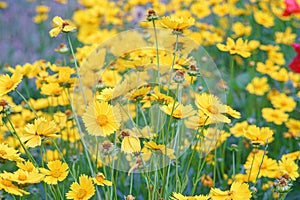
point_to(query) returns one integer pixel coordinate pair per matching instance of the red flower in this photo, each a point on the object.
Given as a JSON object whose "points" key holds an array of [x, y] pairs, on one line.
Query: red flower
{"points": [[295, 64], [291, 7]]}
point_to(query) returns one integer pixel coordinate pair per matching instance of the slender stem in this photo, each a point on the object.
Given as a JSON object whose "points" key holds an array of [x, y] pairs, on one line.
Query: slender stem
{"points": [[173, 62], [77, 69], [251, 167], [14, 133], [231, 89], [62, 156], [215, 167], [157, 54], [81, 135], [233, 164], [31, 108], [131, 183], [262, 160]]}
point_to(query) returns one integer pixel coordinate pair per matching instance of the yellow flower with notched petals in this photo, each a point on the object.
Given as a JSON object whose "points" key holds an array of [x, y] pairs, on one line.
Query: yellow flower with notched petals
{"points": [[60, 25], [82, 191], [41, 128], [101, 180], [237, 191], [177, 23], [58, 171], [239, 47], [274, 115], [263, 18], [258, 86], [8, 83], [178, 196], [102, 119]]}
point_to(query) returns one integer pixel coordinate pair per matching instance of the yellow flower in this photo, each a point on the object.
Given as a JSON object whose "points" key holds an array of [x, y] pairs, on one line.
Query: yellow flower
{"points": [[27, 166], [283, 102], [286, 37], [101, 119], [293, 125], [258, 86], [82, 191], [212, 107], [159, 147], [221, 9], [274, 115], [239, 47], [131, 144], [178, 196], [23, 177], [238, 129], [34, 133], [267, 167], [281, 75], [259, 136], [8, 153], [178, 111], [8, 83], [101, 180], [176, 23], [238, 191], [266, 68], [51, 89], [60, 25], [200, 9], [264, 18], [58, 171], [241, 30], [51, 155], [288, 166], [10, 188]]}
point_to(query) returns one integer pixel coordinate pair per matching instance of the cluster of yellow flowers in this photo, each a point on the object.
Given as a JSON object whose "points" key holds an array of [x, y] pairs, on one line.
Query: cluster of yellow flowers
{"points": [[151, 103]]}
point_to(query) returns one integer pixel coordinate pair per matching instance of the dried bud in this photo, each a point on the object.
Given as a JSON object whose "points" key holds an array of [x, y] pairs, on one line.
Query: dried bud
{"points": [[62, 49], [283, 184], [152, 15], [193, 70], [179, 76]]}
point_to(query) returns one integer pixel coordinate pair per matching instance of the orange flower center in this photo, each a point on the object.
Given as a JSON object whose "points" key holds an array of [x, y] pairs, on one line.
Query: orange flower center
{"points": [[7, 183], [9, 85], [102, 120], [213, 109], [100, 178], [81, 193], [55, 173], [22, 177], [2, 152]]}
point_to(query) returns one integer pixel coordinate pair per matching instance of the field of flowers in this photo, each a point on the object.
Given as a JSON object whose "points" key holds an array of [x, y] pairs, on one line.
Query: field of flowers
{"points": [[150, 99]]}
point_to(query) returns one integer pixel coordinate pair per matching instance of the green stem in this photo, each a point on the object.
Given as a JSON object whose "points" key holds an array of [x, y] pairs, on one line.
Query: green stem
{"points": [[157, 54], [77, 69], [251, 167], [31, 108], [231, 89]]}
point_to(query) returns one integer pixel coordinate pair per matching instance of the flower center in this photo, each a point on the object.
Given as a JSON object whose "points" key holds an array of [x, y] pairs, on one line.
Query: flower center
{"points": [[2, 152], [9, 85], [81, 193], [213, 109], [22, 177], [7, 183], [100, 178], [55, 173], [102, 120]]}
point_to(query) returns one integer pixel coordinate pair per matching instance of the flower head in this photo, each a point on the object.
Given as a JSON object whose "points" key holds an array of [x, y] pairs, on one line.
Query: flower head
{"points": [[239, 47], [292, 7], [58, 171], [82, 191], [60, 25], [34, 133], [238, 191], [101, 180], [9, 83], [102, 119], [178, 24]]}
